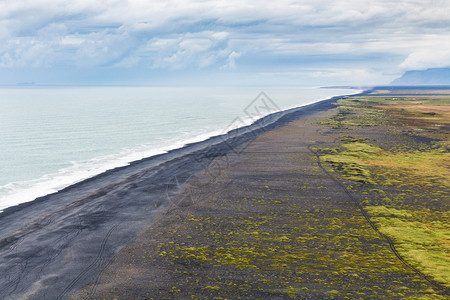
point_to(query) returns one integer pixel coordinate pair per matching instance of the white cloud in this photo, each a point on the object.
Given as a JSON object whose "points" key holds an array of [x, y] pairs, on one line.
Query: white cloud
{"points": [[174, 34], [72, 40], [427, 58], [355, 76], [231, 60], [196, 50], [331, 76], [433, 51]]}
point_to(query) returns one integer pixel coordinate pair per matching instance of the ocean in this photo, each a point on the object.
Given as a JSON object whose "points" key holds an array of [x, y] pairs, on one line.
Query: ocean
{"points": [[53, 137]]}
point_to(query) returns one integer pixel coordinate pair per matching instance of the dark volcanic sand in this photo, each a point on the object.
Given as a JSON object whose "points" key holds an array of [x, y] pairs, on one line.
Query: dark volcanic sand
{"points": [[264, 221], [55, 245]]}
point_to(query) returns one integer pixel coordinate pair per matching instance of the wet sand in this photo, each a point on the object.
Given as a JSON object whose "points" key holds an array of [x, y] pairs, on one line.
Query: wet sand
{"points": [[55, 245]]}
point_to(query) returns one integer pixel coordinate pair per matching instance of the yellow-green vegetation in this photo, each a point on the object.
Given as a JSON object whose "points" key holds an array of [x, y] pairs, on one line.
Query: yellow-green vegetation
{"points": [[426, 244], [212, 287], [284, 250], [306, 254], [405, 178], [420, 167], [360, 115], [277, 225], [264, 241]]}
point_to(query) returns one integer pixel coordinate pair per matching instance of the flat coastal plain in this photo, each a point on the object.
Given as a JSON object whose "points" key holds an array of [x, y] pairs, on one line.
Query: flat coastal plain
{"points": [[59, 243], [350, 201]]}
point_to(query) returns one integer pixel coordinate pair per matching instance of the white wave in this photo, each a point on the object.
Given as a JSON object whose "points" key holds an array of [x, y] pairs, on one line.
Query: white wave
{"points": [[15, 193]]}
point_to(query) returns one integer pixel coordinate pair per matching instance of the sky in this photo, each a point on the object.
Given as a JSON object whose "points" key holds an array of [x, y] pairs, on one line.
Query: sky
{"points": [[214, 42]]}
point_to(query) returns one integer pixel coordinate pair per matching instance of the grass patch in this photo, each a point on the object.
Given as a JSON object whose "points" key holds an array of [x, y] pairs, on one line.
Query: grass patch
{"points": [[426, 245], [357, 161], [418, 160]]}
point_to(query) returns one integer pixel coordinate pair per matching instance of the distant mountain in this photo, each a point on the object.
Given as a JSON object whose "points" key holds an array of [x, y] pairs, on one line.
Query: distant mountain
{"points": [[439, 76]]}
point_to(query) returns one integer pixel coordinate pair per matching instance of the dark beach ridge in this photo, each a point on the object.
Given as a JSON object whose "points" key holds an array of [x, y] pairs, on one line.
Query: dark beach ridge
{"points": [[57, 244]]}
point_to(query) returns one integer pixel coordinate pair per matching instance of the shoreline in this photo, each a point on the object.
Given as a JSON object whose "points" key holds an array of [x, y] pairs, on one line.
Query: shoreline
{"points": [[211, 138], [17, 192], [70, 234], [301, 213]]}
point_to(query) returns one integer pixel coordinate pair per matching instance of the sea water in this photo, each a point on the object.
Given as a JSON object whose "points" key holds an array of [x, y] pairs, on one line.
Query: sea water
{"points": [[51, 138]]}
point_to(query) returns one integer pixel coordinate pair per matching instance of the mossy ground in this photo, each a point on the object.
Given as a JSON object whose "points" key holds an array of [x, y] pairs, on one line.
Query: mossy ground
{"points": [[276, 224], [411, 174]]}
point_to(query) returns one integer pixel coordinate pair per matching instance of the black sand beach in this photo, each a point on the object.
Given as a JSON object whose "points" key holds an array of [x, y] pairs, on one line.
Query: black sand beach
{"points": [[342, 202], [55, 245], [344, 198]]}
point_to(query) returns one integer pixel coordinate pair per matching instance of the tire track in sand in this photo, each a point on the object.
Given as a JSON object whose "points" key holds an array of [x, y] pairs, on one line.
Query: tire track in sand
{"points": [[97, 261]]}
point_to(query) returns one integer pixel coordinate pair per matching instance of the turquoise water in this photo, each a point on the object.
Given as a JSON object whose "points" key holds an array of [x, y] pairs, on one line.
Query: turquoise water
{"points": [[53, 137]]}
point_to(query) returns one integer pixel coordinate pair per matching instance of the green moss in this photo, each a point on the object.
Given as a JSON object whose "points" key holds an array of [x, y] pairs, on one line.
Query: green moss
{"points": [[297, 242], [416, 167], [211, 288], [425, 244], [333, 292], [350, 165], [354, 112], [387, 212], [326, 150], [419, 234]]}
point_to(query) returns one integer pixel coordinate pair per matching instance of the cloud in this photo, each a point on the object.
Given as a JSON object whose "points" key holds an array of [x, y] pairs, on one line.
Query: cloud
{"points": [[355, 76], [196, 50], [231, 60], [192, 34], [323, 76], [432, 52], [425, 59]]}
